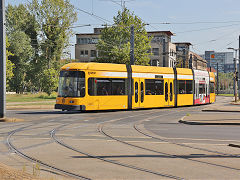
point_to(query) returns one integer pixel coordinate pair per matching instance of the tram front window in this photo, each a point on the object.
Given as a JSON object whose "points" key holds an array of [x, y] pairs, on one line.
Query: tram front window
{"points": [[71, 84]]}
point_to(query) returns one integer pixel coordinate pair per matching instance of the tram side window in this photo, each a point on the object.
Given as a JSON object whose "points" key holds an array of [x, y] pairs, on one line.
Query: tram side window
{"points": [[185, 86], [212, 87], [189, 87], [201, 88], [118, 86], [181, 87], [153, 87], [106, 86]]}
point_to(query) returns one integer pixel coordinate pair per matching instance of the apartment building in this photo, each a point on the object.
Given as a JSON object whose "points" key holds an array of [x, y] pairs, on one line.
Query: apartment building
{"points": [[185, 57], [163, 51], [85, 47], [197, 61], [182, 53], [223, 59]]}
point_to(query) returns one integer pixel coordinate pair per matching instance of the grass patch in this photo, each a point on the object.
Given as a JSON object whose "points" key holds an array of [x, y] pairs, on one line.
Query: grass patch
{"points": [[32, 104], [10, 120], [229, 95], [30, 97]]}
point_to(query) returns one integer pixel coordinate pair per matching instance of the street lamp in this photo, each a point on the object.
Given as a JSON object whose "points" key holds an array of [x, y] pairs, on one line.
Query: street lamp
{"points": [[235, 71]]}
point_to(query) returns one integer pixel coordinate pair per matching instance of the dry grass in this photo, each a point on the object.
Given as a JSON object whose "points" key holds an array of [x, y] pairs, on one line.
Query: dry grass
{"points": [[7, 173], [11, 120]]}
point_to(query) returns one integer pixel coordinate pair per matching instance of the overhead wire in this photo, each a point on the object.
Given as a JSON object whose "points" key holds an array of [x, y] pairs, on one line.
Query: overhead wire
{"points": [[135, 15], [203, 29], [93, 15], [219, 38], [197, 22]]}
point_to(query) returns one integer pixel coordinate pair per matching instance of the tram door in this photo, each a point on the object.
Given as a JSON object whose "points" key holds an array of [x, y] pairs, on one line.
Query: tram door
{"points": [[138, 97], [168, 92]]}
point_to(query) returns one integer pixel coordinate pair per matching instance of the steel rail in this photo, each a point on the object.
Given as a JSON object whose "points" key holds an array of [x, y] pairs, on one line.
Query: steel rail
{"points": [[100, 129], [109, 161], [180, 144], [14, 149]]}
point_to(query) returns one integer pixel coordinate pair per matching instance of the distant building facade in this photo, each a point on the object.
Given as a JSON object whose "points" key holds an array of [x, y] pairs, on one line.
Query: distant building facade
{"points": [[85, 47], [163, 51], [182, 54], [185, 57], [197, 61], [223, 59]]}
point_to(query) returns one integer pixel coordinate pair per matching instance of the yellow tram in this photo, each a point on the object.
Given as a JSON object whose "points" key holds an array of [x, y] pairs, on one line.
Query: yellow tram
{"points": [[104, 86]]}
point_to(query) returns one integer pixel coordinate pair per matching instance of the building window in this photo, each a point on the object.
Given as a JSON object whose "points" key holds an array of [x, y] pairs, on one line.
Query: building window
{"points": [[83, 53], [93, 53], [83, 40], [155, 51]]}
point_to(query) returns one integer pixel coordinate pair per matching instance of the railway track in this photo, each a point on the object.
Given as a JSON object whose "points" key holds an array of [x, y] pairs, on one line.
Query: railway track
{"points": [[35, 160], [53, 135], [101, 130]]}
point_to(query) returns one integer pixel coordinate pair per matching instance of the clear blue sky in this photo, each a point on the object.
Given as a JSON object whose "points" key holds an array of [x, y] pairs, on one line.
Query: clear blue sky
{"points": [[207, 24]]}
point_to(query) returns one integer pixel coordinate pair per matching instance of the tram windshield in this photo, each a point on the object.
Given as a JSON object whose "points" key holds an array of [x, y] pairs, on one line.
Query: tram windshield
{"points": [[71, 84]]}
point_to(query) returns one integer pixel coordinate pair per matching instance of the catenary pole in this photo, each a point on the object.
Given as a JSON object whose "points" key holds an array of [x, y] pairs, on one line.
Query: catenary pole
{"points": [[132, 45], [239, 69], [235, 75], [2, 61], [164, 53], [217, 81]]}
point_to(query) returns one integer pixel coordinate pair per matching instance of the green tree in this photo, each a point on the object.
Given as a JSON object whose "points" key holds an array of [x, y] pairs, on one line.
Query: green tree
{"points": [[20, 46], [114, 45], [49, 80], [10, 66], [55, 18], [22, 30], [42, 30], [226, 81]]}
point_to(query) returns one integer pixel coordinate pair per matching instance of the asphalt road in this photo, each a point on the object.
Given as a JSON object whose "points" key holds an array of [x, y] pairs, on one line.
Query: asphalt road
{"points": [[140, 144]]}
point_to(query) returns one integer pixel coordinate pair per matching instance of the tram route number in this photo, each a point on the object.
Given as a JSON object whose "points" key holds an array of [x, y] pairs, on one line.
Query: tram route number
{"points": [[91, 73]]}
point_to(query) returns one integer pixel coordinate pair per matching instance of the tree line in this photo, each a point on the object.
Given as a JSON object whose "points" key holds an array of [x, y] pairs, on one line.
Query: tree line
{"points": [[38, 33]]}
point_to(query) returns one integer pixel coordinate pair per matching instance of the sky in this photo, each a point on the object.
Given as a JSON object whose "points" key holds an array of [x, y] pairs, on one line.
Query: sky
{"points": [[206, 24]]}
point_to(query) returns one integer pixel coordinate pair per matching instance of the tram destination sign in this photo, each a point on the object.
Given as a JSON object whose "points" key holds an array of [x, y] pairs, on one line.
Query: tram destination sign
{"points": [[159, 76]]}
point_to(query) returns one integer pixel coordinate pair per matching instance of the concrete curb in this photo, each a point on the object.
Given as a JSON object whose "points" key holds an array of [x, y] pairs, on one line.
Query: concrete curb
{"points": [[234, 145], [205, 123], [218, 110]]}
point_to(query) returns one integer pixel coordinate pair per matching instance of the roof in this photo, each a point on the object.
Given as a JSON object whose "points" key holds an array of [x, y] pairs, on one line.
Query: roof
{"points": [[184, 71], [198, 57], [95, 66], [169, 33], [187, 43], [116, 67], [87, 34]]}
